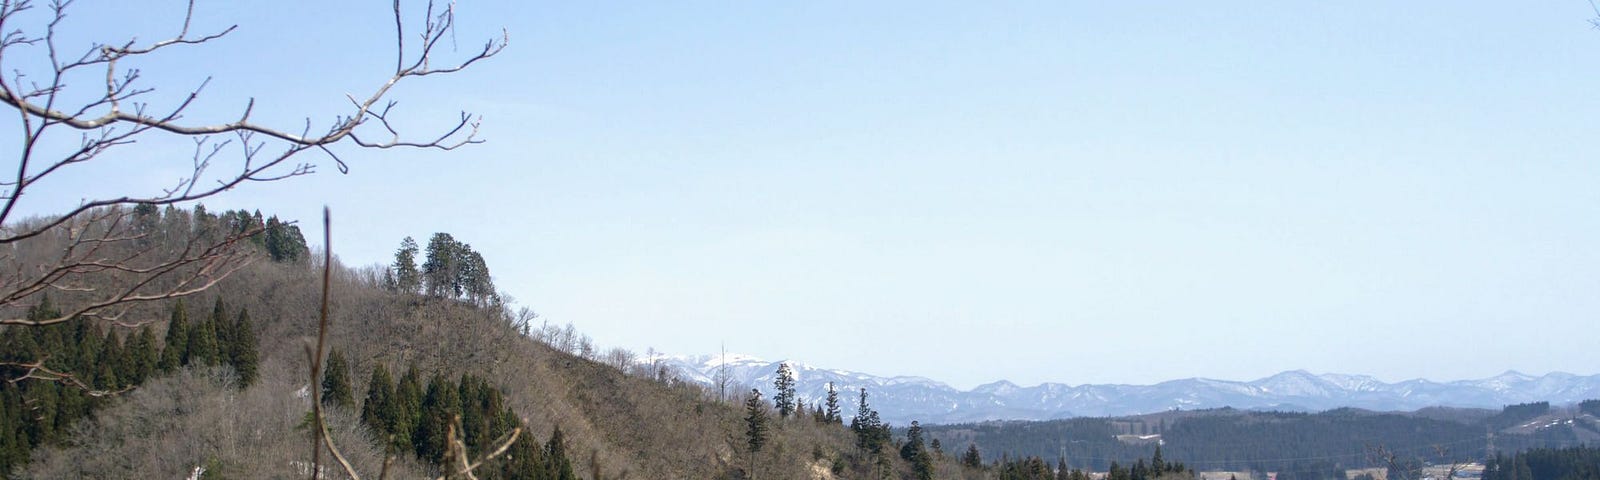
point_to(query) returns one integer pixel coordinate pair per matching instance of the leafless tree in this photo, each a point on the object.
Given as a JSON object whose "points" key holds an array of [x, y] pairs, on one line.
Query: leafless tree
{"points": [[78, 107]]}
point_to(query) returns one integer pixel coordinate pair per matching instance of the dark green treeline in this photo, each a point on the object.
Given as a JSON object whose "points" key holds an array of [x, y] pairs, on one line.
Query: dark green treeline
{"points": [[81, 366], [419, 418]]}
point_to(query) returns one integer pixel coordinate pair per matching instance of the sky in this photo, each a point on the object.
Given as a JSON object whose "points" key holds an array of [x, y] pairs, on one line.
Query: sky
{"points": [[1073, 192]]}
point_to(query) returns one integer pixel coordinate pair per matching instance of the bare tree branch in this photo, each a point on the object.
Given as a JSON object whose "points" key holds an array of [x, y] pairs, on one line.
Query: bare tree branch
{"points": [[37, 371], [91, 254], [458, 450]]}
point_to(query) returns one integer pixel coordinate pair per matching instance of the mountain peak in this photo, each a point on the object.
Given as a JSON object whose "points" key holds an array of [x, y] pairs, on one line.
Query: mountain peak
{"points": [[1513, 375], [1001, 387], [901, 399]]}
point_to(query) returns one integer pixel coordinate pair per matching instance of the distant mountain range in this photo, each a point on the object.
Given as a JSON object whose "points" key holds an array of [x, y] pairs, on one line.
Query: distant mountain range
{"points": [[903, 399]]}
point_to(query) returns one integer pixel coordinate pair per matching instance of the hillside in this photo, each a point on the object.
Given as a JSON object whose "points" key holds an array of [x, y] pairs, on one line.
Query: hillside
{"points": [[615, 425]]}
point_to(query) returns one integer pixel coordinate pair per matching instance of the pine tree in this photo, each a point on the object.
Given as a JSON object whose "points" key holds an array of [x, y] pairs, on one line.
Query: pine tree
{"points": [[871, 433], [142, 356], [915, 451], [524, 459], [439, 408], [832, 415], [243, 354], [84, 351], [222, 326], [336, 389], [784, 386], [14, 445], [972, 459], [377, 410], [284, 241], [203, 344], [175, 350], [72, 403], [755, 421], [555, 454], [908, 450], [407, 408], [476, 282], [1116, 472], [407, 278], [441, 270], [112, 362]]}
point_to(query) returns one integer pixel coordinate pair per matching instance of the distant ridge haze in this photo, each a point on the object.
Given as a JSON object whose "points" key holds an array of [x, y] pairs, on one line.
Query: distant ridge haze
{"points": [[901, 399]]}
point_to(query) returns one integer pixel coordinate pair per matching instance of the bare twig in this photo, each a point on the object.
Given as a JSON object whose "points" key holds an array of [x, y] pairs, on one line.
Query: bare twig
{"points": [[460, 451], [106, 267], [314, 354], [316, 362], [37, 371]]}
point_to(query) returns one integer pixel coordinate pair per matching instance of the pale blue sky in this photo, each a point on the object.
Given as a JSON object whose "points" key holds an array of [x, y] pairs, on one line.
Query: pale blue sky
{"points": [[1045, 191]]}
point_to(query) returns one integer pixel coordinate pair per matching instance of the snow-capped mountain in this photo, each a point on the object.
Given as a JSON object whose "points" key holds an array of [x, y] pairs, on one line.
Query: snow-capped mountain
{"points": [[903, 399]]}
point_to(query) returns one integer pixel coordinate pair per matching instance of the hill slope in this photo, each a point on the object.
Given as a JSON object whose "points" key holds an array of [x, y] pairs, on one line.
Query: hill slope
{"points": [[616, 425]]}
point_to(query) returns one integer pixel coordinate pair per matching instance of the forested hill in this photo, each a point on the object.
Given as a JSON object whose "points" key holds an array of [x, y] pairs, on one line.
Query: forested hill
{"points": [[1229, 439], [423, 351]]}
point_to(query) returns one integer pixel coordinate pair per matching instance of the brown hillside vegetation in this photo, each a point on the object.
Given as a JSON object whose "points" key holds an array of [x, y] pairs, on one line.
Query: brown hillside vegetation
{"points": [[617, 424]]}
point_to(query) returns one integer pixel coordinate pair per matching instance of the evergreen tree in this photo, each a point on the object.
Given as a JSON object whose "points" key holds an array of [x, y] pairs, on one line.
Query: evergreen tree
{"points": [[1591, 407], [112, 362], [407, 279], [72, 404], [14, 445], [203, 344], [555, 454], [336, 389], [832, 415], [82, 354], [441, 271], [439, 407], [755, 420], [242, 353], [524, 460], [142, 356], [222, 326], [1116, 472], [453, 270], [475, 281], [407, 408], [784, 386], [377, 409], [175, 350], [872, 434], [284, 241], [915, 451], [913, 441]]}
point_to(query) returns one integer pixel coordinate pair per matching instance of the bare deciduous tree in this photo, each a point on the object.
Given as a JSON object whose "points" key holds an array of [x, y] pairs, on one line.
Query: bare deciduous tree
{"points": [[77, 109]]}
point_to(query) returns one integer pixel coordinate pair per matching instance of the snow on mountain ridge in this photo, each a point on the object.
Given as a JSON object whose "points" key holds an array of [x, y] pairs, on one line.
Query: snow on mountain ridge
{"points": [[901, 399]]}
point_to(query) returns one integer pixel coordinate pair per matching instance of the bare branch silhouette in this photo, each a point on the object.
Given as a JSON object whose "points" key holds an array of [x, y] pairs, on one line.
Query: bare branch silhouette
{"points": [[93, 255]]}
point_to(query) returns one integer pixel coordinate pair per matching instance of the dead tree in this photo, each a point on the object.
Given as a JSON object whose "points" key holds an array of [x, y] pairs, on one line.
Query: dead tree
{"points": [[76, 109]]}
